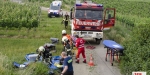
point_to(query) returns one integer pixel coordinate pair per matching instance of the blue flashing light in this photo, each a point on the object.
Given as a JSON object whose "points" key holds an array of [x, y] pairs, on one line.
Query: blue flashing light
{"points": [[93, 27], [82, 27], [99, 5], [78, 4]]}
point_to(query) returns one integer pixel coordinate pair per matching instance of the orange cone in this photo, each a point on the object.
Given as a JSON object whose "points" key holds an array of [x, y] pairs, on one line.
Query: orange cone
{"points": [[91, 63]]}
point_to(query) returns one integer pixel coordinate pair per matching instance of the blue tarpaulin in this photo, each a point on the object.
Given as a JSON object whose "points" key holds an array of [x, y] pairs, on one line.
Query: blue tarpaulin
{"points": [[55, 59], [31, 57]]}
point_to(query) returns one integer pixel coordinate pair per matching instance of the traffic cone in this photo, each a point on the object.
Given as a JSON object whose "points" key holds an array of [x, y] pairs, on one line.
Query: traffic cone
{"points": [[91, 63]]}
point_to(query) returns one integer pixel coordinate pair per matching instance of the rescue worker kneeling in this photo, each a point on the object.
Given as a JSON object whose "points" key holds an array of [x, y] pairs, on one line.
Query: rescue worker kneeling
{"points": [[44, 53]]}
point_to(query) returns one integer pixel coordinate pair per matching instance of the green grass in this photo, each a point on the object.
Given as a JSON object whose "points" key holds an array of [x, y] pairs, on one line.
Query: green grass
{"points": [[137, 0], [118, 33], [15, 44]]}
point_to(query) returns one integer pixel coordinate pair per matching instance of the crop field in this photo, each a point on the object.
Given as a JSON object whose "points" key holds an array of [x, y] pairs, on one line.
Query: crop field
{"points": [[23, 28], [15, 43]]}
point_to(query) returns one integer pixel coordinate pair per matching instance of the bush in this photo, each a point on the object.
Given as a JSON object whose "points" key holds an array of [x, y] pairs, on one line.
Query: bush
{"points": [[18, 15], [137, 53]]}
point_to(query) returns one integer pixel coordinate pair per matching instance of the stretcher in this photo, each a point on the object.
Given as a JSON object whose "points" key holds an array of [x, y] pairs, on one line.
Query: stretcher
{"points": [[113, 49]]}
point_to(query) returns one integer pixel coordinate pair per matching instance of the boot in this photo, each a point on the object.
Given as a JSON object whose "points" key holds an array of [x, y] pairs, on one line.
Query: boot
{"points": [[77, 61], [84, 61], [75, 57]]}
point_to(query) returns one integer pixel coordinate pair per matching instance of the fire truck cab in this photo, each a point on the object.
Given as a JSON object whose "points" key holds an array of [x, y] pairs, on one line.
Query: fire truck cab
{"points": [[88, 20]]}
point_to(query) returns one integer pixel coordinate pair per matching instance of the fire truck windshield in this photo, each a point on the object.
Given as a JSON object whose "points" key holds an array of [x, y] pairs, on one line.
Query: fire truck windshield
{"points": [[89, 14]]}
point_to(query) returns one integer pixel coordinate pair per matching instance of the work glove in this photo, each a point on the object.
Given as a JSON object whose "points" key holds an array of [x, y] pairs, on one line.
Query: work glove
{"points": [[58, 65]]}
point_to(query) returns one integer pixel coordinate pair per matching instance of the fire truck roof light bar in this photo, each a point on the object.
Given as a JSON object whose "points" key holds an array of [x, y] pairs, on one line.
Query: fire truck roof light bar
{"points": [[78, 4], [99, 5]]}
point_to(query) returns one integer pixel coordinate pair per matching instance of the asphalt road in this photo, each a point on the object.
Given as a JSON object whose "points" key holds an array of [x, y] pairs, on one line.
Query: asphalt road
{"points": [[101, 67]]}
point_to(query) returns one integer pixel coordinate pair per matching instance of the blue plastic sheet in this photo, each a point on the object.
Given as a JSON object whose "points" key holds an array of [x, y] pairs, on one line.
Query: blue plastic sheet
{"points": [[112, 44], [16, 64], [55, 59], [31, 57]]}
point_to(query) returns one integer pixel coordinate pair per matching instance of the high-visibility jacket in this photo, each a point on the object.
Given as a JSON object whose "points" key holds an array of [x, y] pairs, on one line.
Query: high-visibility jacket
{"points": [[69, 38]]}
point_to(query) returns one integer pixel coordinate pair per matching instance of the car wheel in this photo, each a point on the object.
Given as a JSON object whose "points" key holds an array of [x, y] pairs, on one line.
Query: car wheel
{"points": [[49, 15]]}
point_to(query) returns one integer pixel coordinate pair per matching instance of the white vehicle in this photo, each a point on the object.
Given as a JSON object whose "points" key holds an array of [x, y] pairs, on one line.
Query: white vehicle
{"points": [[55, 9], [88, 20], [60, 1]]}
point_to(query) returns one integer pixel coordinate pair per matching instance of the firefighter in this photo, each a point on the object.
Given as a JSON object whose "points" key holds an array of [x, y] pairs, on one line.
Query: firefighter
{"points": [[44, 52], [66, 36], [80, 46], [66, 20]]}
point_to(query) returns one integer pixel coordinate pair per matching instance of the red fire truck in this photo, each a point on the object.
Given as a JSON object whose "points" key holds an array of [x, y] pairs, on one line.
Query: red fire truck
{"points": [[89, 20]]}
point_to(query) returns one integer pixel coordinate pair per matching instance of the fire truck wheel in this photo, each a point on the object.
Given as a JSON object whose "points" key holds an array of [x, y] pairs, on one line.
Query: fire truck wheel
{"points": [[98, 41]]}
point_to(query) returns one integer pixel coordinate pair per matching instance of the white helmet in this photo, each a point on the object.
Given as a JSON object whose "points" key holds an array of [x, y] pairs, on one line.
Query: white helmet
{"points": [[41, 48], [64, 32], [64, 39]]}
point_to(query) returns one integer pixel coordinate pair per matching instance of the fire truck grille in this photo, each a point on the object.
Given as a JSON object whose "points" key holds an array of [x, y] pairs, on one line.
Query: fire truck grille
{"points": [[86, 32], [90, 32]]}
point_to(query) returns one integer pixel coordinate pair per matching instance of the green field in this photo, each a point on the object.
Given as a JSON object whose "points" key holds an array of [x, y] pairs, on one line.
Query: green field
{"points": [[138, 0], [15, 44], [131, 30]]}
